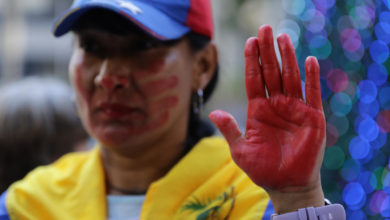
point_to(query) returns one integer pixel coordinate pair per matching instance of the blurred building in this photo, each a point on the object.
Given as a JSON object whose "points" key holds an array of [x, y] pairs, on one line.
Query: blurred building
{"points": [[26, 44]]}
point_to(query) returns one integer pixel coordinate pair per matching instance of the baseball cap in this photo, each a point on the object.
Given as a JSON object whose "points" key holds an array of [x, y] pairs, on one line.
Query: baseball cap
{"points": [[162, 19]]}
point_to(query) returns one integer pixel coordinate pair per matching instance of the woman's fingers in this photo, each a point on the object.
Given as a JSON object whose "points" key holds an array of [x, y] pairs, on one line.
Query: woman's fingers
{"points": [[268, 74], [313, 86], [290, 71], [253, 77], [269, 62], [227, 125]]}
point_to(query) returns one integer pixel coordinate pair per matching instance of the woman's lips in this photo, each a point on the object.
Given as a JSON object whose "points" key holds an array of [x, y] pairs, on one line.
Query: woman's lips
{"points": [[115, 111]]}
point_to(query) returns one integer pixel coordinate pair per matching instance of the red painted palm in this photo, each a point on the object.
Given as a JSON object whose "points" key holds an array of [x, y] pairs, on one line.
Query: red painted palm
{"points": [[283, 145]]}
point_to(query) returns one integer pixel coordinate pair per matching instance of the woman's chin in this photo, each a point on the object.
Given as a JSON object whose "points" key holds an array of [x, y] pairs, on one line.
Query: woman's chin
{"points": [[115, 137]]}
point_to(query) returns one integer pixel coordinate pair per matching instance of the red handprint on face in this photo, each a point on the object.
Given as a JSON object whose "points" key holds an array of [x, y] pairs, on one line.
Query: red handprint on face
{"points": [[283, 145]]}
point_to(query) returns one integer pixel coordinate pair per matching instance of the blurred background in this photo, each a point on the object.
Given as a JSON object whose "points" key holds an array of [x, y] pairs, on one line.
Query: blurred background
{"points": [[350, 38]]}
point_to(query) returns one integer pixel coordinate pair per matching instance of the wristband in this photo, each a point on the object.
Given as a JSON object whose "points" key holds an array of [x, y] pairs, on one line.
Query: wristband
{"points": [[329, 212]]}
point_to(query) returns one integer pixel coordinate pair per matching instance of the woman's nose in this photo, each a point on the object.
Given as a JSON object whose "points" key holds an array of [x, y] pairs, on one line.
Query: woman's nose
{"points": [[112, 75]]}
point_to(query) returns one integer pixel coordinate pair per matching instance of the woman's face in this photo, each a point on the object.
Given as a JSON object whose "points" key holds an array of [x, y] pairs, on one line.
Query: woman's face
{"points": [[131, 89]]}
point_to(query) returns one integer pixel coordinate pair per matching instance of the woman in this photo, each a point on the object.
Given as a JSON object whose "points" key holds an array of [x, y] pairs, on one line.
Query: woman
{"points": [[139, 69]]}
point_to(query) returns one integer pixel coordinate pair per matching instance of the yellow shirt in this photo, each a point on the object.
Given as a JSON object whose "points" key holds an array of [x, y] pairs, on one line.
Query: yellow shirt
{"points": [[205, 184]]}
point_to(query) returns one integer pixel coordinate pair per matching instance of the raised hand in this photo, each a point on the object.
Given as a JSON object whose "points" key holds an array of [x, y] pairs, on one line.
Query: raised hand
{"points": [[283, 145]]}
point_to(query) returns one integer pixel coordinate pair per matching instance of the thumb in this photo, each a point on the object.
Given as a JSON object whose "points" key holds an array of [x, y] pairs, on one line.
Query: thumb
{"points": [[227, 125]]}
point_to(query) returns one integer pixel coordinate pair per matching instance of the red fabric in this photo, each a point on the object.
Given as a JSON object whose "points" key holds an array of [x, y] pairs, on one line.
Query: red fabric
{"points": [[200, 18]]}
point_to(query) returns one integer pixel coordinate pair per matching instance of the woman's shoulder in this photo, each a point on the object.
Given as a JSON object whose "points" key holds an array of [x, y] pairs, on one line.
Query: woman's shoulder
{"points": [[56, 185], [67, 165]]}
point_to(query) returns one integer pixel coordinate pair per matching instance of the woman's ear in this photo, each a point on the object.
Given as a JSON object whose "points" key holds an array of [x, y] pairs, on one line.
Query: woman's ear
{"points": [[206, 61]]}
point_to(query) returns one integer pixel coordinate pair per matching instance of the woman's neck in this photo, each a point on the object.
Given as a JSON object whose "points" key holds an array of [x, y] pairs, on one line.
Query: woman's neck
{"points": [[134, 174]]}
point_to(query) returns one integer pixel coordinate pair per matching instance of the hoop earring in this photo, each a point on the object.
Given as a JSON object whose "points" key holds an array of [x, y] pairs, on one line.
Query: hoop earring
{"points": [[197, 104]]}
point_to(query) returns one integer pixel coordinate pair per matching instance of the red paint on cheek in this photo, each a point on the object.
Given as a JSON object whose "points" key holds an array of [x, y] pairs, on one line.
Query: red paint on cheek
{"points": [[159, 86], [79, 83], [158, 122], [157, 116], [158, 111], [163, 104], [151, 69]]}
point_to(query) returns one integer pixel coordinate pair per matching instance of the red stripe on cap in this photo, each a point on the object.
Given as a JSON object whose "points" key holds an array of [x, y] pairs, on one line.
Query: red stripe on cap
{"points": [[143, 27], [200, 18]]}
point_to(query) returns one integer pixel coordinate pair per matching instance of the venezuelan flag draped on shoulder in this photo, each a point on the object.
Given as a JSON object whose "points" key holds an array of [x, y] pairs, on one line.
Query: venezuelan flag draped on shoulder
{"points": [[205, 184]]}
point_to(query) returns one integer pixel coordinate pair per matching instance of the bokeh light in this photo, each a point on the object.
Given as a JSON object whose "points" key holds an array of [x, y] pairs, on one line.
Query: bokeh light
{"points": [[337, 80], [340, 104], [351, 40], [384, 97], [379, 202], [383, 120], [367, 91], [340, 123], [354, 196], [371, 109], [334, 158], [379, 51], [368, 129], [295, 7], [359, 148], [350, 170], [377, 73]]}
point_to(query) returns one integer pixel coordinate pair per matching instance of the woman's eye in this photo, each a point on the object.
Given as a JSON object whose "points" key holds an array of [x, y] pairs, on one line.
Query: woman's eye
{"points": [[146, 45], [92, 48]]}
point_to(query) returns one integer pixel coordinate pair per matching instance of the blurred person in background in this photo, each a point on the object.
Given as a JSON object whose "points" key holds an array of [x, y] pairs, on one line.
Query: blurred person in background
{"points": [[38, 124], [141, 71]]}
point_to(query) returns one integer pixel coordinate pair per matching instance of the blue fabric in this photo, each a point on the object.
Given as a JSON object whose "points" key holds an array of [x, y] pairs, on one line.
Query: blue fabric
{"points": [[268, 211], [3, 209], [171, 16], [124, 207]]}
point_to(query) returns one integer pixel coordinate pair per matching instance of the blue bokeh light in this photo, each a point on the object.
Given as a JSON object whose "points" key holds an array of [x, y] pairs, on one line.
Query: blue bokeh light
{"points": [[379, 51], [354, 196], [367, 91], [370, 109], [368, 129], [325, 91], [382, 31], [380, 141], [387, 3], [350, 170], [367, 181], [384, 97], [359, 148], [384, 16], [356, 215], [321, 47], [377, 73]]}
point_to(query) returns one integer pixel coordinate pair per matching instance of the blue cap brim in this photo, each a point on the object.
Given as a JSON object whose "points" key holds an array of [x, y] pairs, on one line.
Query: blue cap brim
{"points": [[149, 19]]}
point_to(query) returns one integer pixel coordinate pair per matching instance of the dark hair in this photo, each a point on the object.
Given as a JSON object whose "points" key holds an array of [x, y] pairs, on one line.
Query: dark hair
{"points": [[38, 124], [103, 19], [198, 128]]}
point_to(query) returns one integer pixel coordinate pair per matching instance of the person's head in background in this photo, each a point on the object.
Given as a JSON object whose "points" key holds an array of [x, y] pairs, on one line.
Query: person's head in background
{"points": [[38, 124]]}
